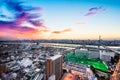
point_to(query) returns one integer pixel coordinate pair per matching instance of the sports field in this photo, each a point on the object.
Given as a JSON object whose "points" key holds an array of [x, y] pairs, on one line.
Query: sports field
{"points": [[83, 59]]}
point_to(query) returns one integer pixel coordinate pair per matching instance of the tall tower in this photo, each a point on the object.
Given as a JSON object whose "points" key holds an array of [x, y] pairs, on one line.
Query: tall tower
{"points": [[99, 39], [53, 66]]}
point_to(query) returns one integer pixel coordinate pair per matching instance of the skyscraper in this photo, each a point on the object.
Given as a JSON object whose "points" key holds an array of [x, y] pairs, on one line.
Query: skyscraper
{"points": [[54, 66]]}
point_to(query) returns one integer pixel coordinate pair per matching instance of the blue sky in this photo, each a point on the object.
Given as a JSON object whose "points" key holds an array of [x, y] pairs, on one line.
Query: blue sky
{"points": [[73, 19]]}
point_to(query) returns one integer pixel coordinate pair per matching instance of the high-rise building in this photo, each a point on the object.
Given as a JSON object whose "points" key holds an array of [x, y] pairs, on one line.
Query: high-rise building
{"points": [[54, 66]]}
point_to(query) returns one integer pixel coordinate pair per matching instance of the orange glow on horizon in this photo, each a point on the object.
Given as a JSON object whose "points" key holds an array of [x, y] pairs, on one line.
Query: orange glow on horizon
{"points": [[45, 33]]}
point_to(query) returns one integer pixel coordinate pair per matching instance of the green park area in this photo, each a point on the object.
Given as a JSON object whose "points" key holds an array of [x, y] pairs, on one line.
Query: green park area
{"points": [[83, 59]]}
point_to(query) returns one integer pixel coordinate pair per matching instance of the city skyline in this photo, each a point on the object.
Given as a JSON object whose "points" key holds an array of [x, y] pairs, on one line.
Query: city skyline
{"points": [[59, 19]]}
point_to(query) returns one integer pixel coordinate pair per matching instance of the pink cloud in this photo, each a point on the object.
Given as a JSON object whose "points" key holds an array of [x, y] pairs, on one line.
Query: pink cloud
{"points": [[94, 10], [23, 14], [21, 33], [82, 22]]}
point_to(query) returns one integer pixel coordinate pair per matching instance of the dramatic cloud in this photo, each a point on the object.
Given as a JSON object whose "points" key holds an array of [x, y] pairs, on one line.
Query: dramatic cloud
{"points": [[23, 13], [13, 16], [94, 10], [62, 31]]}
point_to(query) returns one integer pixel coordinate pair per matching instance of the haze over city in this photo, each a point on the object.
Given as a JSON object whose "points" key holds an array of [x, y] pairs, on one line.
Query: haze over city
{"points": [[59, 40], [59, 19]]}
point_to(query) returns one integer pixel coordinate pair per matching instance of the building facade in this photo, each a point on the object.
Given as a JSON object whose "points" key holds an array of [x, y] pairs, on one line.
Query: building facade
{"points": [[53, 66]]}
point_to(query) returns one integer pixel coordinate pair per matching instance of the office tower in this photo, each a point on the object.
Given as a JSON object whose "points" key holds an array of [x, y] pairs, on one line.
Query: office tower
{"points": [[54, 66]]}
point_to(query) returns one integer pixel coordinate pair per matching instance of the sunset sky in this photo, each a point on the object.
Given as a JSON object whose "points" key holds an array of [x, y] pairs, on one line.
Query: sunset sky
{"points": [[59, 19]]}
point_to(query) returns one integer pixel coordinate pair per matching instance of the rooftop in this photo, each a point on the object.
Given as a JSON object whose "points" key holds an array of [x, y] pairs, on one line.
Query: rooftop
{"points": [[55, 57]]}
